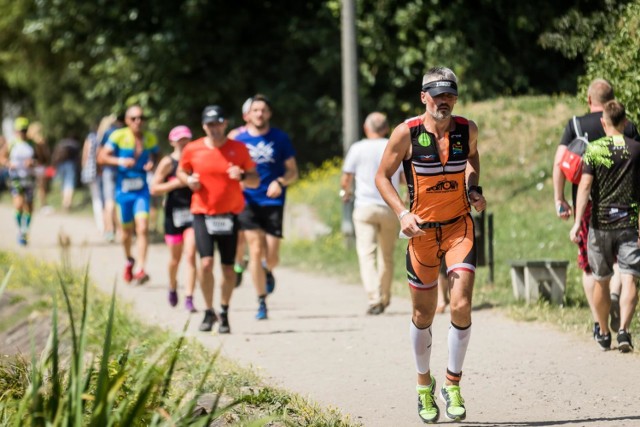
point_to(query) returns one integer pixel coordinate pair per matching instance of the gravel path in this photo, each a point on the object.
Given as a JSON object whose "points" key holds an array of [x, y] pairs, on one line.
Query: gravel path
{"points": [[319, 343]]}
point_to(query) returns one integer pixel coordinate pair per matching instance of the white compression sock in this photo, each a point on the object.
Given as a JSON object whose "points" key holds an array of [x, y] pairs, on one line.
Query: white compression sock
{"points": [[458, 343], [421, 341]]}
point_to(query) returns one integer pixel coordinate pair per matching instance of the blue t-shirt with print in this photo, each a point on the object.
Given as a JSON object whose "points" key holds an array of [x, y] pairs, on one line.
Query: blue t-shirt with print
{"points": [[123, 144], [269, 152]]}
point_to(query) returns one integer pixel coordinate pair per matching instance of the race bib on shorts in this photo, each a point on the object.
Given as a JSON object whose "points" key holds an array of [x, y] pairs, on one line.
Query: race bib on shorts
{"points": [[132, 184], [219, 225], [181, 217]]}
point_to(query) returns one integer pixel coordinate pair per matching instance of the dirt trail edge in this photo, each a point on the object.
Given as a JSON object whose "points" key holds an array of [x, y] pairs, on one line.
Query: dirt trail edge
{"points": [[319, 343]]}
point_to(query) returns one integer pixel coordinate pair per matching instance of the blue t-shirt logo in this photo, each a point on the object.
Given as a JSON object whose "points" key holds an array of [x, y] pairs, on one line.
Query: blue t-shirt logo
{"points": [[262, 152], [270, 152]]}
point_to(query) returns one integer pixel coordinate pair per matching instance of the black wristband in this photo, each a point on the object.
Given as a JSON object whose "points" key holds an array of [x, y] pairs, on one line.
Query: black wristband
{"points": [[243, 176], [475, 188], [281, 184]]}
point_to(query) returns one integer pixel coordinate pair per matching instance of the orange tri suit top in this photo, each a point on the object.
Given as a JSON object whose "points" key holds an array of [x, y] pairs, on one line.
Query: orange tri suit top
{"points": [[438, 195]]}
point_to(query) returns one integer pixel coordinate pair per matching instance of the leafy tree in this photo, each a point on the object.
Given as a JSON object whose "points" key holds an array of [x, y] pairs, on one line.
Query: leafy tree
{"points": [[79, 60], [491, 44], [616, 57], [608, 39], [76, 60]]}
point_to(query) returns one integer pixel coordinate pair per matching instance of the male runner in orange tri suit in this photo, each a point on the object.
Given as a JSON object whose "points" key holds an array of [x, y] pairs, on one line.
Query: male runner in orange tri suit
{"points": [[442, 167]]}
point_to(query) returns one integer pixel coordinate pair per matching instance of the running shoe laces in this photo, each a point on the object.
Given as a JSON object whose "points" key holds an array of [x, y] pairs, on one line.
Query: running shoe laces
{"points": [[455, 409], [428, 410]]}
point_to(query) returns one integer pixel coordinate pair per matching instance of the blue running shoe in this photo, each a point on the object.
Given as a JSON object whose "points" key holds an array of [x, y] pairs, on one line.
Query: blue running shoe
{"points": [[271, 281], [262, 311]]}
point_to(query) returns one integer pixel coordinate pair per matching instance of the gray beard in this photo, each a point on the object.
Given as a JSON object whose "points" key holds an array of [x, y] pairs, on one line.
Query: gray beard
{"points": [[439, 116]]}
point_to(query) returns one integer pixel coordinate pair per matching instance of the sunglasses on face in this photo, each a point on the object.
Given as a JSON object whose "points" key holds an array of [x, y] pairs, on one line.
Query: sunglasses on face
{"points": [[137, 118]]}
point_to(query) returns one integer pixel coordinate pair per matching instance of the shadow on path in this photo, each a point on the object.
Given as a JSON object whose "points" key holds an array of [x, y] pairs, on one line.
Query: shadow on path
{"points": [[583, 421]]}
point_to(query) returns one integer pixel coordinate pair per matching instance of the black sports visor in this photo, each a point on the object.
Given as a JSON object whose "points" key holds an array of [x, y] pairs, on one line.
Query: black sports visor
{"points": [[439, 87]]}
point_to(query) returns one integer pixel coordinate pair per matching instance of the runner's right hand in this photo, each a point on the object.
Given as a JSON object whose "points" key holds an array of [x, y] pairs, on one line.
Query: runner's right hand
{"points": [[193, 181], [126, 162], [563, 210], [409, 225]]}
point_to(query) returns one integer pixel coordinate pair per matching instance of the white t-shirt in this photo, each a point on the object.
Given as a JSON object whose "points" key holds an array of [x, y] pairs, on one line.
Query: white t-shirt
{"points": [[19, 155], [363, 160]]}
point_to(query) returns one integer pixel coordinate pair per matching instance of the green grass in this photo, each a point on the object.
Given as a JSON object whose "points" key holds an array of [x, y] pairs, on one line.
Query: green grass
{"points": [[102, 366], [517, 143]]}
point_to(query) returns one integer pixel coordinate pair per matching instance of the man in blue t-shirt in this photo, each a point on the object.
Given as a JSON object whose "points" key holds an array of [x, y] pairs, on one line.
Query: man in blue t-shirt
{"points": [[133, 151], [261, 220]]}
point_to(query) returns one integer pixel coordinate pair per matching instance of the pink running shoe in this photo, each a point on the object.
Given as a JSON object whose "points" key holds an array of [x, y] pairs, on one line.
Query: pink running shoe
{"points": [[141, 277]]}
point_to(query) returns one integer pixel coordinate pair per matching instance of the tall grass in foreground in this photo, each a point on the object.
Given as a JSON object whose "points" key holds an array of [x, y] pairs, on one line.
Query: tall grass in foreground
{"points": [[115, 393], [102, 366]]}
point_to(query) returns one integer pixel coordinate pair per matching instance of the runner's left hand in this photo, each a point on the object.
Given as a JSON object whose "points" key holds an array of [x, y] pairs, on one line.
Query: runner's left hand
{"points": [[274, 190], [477, 201]]}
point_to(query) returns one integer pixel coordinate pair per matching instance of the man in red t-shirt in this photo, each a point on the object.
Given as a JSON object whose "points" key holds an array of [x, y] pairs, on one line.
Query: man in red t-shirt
{"points": [[213, 167]]}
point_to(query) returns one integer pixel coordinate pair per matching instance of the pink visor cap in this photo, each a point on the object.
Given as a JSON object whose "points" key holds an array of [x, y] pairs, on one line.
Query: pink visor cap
{"points": [[179, 132]]}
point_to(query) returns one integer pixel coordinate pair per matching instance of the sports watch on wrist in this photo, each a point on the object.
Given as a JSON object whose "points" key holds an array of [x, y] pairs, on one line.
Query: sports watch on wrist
{"points": [[475, 188]]}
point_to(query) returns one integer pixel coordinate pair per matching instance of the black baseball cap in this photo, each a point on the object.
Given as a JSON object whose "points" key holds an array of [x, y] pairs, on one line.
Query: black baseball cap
{"points": [[212, 113]]}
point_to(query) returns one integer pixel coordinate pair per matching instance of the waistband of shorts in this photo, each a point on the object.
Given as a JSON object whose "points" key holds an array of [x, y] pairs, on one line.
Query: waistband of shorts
{"points": [[439, 224]]}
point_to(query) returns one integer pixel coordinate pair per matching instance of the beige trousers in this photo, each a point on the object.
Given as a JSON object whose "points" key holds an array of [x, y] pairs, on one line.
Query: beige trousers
{"points": [[376, 229]]}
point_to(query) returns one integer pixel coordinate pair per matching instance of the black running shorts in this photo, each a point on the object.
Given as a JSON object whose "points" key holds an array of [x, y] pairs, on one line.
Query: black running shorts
{"points": [[205, 242], [267, 218]]}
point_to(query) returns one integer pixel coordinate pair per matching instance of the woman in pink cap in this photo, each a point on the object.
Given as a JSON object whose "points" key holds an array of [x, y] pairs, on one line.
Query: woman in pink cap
{"points": [[177, 216]]}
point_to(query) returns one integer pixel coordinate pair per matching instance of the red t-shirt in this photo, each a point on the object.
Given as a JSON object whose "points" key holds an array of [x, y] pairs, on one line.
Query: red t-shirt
{"points": [[218, 193]]}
